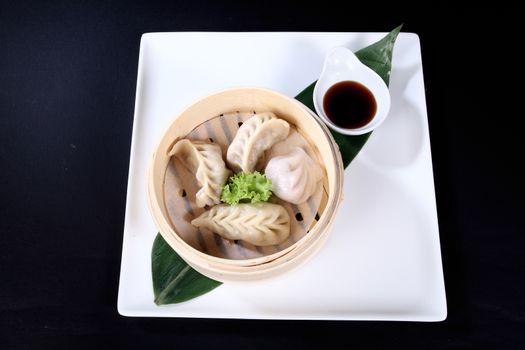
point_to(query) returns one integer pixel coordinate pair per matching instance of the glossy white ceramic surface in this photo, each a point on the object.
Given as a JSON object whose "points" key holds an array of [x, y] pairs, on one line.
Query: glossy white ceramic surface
{"points": [[382, 260]]}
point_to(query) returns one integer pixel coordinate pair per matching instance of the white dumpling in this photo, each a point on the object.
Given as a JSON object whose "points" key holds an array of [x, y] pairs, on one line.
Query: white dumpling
{"points": [[259, 224], [205, 160], [295, 176], [255, 136]]}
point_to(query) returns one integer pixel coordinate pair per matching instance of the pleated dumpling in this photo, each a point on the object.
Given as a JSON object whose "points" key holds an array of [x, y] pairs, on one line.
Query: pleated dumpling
{"points": [[205, 160], [259, 224], [255, 136], [295, 176]]}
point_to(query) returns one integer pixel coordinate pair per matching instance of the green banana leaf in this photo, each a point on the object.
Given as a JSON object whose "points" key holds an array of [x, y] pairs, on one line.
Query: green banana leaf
{"points": [[174, 281]]}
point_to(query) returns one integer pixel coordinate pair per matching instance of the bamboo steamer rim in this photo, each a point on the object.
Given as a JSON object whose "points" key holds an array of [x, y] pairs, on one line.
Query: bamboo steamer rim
{"points": [[221, 268]]}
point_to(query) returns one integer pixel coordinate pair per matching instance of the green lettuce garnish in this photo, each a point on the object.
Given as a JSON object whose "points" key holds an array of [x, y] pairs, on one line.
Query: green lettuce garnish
{"points": [[247, 188]]}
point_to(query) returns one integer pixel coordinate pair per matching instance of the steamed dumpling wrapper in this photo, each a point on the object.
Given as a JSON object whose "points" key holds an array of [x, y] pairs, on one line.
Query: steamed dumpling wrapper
{"points": [[259, 224], [256, 135], [295, 176], [205, 160]]}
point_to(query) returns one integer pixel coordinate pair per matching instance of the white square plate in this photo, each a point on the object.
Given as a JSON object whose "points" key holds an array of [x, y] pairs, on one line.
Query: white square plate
{"points": [[382, 260]]}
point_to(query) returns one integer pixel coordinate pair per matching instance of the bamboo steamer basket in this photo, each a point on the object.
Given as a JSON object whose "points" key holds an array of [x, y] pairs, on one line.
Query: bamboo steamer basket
{"points": [[216, 118]]}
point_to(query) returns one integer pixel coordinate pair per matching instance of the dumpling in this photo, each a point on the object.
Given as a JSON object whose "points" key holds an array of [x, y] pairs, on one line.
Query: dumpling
{"points": [[259, 224], [295, 176], [205, 159], [255, 136]]}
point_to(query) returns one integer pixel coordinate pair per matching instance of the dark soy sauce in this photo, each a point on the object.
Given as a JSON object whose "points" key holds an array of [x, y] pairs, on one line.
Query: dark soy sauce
{"points": [[349, 104]]}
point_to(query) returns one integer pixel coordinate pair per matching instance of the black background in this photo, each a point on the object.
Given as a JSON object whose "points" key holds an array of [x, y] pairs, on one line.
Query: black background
{"points": [[67, 87]]}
